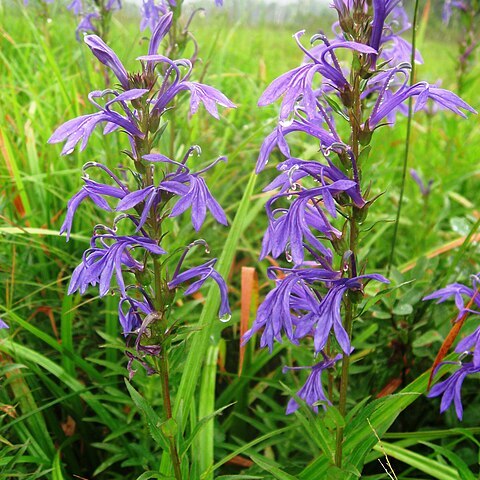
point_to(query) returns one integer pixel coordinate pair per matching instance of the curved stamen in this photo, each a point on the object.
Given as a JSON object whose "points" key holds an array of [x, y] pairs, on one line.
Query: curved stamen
{"points": [[200, 241], [218, 160], [88, 165]]}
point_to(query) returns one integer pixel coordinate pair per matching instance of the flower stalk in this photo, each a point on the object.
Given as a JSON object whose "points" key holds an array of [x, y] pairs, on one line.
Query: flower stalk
{"points": [[313, 299], [355, 120], [138, 107]]}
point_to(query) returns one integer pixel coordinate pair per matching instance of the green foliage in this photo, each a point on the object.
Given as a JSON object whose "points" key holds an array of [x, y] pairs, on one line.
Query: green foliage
{"points": [[65, 406]]}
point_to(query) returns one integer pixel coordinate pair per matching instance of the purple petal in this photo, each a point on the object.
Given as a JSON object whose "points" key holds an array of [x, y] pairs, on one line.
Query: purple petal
{"points": [[108, 57]]}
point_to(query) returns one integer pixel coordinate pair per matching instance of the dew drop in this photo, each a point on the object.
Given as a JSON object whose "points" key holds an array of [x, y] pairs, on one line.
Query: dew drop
{"points": [[225, 318], [288, 257], [286, 123]]}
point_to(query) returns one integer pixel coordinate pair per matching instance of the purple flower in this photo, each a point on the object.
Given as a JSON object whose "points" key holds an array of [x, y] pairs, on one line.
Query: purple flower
{"points": [[293, 307], [107, 255], [111, 4], [294, 169], [458, 291], [149, 195], [151, 14], [296, 223], [95, 191], [81, 128], [298, 82], [76, 7], [194, 193], [132, 319], [448, 6], [328, 311], [3, 324], [86, 24], [161, 29], [312, 392], [277, 138], [283, 309], [425, 189], [471, 342], [204, 271], [200, 93], [108, 57], [423, 91], [190, 187], [451, 388], [209, 96]]}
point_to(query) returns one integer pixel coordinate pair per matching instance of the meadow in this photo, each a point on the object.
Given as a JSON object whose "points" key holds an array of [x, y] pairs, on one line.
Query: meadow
{"points": [[67, 407]]}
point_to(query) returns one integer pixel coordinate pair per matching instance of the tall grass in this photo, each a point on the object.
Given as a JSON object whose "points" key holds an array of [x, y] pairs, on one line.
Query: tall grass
{"points": [[66, 409]]}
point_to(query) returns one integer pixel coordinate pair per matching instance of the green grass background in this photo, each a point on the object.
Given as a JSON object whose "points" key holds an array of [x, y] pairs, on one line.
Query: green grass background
{"points": [[66, 409]]}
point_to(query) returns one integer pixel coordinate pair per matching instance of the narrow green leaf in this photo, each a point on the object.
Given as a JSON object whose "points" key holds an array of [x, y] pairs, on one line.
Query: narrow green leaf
{"points": [[66, 333], [270, 467], [57, 473], [154, 422], [206, 404], [420, 462], [247, 446], [462, 468]]}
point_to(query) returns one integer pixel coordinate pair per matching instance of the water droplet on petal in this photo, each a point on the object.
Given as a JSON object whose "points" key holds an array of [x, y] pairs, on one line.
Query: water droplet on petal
{"points": [[225, 318], [286, 123]]}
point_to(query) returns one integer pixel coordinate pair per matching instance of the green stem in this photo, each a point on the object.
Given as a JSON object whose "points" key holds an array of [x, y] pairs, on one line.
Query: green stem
{"points": [[163, 372], [407, 142], [355, 115], [161, 363], [349, 314]]}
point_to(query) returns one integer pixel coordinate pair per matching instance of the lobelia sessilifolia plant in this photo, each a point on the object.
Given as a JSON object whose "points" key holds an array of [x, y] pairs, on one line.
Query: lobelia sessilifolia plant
{"points": [[315, 217], [468, 14], [468, 348], [159, 188]]}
